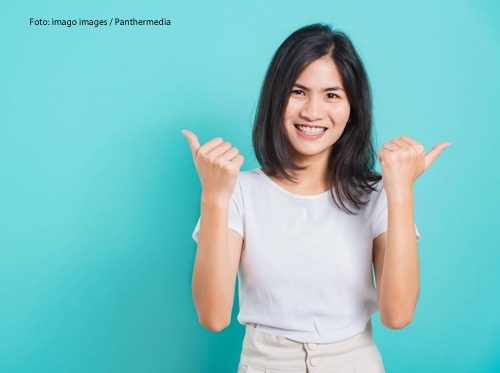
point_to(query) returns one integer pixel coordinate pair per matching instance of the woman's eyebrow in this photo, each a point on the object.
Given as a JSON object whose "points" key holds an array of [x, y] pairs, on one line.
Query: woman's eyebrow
{"points": [[336, 88]]}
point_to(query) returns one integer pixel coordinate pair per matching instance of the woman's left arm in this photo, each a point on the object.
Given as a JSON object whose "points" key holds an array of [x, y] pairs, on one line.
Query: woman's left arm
{"points": [[395, 252]]}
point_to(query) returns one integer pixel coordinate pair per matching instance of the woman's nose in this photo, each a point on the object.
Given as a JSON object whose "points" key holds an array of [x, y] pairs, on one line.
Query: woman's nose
{"points": [[312, 110]]}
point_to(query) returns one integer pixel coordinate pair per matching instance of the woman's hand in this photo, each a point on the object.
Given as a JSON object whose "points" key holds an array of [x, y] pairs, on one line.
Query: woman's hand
{"points": [[403, 160], [217, 164]]}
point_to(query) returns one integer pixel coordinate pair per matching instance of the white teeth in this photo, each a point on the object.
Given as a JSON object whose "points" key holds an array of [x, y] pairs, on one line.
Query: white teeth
{"points": [[311, 131]]}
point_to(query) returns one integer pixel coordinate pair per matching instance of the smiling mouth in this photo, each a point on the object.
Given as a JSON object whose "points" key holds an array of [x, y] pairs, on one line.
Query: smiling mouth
{"points": [[310, 130]]}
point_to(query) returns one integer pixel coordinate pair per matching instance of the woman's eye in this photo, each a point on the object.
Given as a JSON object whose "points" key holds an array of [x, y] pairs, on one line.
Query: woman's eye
{"points": [[298, 91]]}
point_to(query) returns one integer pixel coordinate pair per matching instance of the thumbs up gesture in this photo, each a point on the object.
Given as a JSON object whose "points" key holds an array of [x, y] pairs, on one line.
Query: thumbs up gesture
{"points": [[218, 165], [403, 160]]}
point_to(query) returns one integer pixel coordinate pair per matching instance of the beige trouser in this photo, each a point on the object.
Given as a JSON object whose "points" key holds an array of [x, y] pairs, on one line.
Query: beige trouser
{"points": [[268, 353]]}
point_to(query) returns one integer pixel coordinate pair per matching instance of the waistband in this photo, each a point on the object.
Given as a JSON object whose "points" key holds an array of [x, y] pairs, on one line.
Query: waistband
{"points": [[280, 353]]}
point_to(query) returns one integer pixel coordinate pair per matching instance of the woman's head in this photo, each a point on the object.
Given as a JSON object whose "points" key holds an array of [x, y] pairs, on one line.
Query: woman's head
{"points": [[318, 102], [311, 60]]}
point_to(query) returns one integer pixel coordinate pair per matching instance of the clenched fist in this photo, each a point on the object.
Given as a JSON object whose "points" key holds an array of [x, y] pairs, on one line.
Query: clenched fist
{"points": [[217, 164], [403, 160]]}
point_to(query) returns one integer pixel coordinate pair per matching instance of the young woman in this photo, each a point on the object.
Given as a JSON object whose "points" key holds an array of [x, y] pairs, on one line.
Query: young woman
{"points": [[303, 232]]}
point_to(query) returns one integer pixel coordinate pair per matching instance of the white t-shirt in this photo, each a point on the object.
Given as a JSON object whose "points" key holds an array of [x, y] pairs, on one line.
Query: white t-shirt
{"points": [[306, 266]]}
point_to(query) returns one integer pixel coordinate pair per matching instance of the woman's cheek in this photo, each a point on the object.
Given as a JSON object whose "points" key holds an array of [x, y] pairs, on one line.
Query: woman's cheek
{"points": [[341, 113]]}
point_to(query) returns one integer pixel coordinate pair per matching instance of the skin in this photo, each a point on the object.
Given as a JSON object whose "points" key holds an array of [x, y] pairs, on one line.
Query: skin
{"points": [[395, 253], [315, 107], [403, 160]]}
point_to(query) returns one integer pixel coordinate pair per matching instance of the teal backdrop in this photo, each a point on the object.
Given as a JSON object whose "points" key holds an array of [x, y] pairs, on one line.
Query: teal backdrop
{"points": [[99, 195]]}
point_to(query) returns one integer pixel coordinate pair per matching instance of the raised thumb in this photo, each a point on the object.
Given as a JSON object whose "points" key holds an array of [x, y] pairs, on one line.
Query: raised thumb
{"points": [[194, 143]]}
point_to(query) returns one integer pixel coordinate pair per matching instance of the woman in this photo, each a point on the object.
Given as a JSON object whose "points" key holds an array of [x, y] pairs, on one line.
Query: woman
{"points": [[303, 232]]}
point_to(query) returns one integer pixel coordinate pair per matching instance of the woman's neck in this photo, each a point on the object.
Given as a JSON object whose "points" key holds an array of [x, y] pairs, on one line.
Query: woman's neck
{"points": [[308, 182]]}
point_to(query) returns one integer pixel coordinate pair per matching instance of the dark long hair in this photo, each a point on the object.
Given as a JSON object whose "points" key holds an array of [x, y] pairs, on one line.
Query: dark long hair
{"points": [[352, 158]]}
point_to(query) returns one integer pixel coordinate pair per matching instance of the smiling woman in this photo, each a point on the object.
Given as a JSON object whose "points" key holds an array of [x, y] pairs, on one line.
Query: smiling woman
{"points": [[313, 109], [328, 89], [303, 232]]}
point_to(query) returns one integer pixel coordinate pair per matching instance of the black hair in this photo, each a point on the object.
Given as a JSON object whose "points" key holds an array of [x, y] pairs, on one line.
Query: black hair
{"points": [[352, 158]]}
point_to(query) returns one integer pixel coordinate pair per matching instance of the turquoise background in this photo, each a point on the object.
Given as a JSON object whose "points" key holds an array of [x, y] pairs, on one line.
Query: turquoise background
{"points": [[99, 195]]}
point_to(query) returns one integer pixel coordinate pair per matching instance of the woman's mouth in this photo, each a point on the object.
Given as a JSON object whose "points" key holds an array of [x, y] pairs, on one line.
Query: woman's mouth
{"points": [[310, 132]]}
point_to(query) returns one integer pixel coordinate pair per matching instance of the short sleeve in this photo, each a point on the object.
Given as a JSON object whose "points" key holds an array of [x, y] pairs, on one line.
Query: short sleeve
{"points": [[380, 214], [235, 213]]}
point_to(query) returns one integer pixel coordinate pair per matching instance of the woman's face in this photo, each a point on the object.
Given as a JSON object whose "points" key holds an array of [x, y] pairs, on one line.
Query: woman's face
{"points": [[318, 100]]}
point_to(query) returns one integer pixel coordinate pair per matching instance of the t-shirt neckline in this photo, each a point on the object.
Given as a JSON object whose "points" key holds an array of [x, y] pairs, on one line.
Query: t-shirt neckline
{"points": [[283, 190]]}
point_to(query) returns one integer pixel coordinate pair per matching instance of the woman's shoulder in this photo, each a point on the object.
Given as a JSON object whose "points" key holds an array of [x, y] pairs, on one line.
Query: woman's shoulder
{"points": [[371, 197], [250, 182], [378, 195], [248, 175]]}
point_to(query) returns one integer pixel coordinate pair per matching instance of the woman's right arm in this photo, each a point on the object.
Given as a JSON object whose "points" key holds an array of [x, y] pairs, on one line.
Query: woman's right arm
{"points": [[216, 265], [219, 248]]}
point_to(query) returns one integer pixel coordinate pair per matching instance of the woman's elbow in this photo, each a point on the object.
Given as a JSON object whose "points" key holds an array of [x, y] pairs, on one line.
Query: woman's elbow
{"points": [[396, 324], [214, 327]]}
